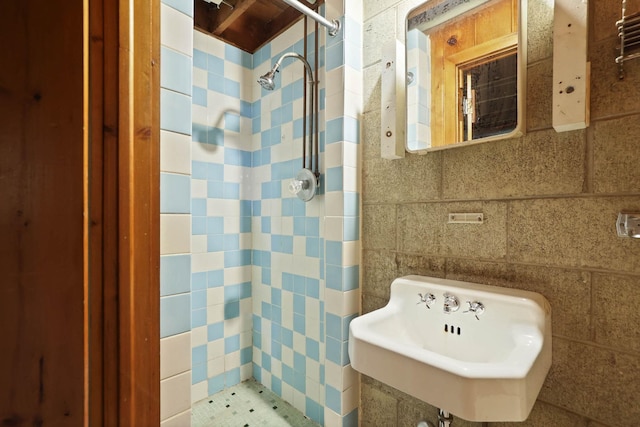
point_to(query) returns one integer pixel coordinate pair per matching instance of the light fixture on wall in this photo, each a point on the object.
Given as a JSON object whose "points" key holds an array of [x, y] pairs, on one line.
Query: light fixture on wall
{"points": [[628, 225]]}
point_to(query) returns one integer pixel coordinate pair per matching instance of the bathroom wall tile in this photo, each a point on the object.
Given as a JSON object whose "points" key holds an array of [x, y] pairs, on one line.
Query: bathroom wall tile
{"points": [[183, 6], [175, 71], [615, 327], [175, 232], [548, 163], [175, 355], [538, 102], [175, 395], [176, 30], [549, 225], [377, 408], [414, 178], [584, 378], [379, 226], [175, 315], [175, 112], [423, 228], [175, 193], [175, 274], [180, 420], [614, 169], [175, 152], [539, 31]]}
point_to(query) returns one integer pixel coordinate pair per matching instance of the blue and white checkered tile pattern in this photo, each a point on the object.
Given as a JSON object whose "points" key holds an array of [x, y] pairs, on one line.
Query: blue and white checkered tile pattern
{"points": [[275, 280]]}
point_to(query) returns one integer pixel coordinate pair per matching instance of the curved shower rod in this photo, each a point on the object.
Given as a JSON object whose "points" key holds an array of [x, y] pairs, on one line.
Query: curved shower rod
{"points": [[332, 26]]}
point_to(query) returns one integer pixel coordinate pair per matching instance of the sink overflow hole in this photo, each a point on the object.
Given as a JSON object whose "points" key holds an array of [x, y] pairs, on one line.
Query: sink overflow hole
{"points": [[453, 329]]}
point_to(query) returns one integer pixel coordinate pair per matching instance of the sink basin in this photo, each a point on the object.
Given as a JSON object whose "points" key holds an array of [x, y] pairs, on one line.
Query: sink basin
{"points": [[485, 360]]}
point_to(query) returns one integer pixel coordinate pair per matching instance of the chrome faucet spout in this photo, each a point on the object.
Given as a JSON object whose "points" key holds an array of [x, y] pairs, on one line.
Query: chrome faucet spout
{"points": [[451, 303]]}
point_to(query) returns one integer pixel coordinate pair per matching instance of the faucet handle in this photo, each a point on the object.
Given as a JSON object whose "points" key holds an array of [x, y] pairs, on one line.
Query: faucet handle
{"points": [[475, 307], [427, 299]]}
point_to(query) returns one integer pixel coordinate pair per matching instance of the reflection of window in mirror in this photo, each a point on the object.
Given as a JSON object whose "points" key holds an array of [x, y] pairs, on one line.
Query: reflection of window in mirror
{"points": [[463, 71]]}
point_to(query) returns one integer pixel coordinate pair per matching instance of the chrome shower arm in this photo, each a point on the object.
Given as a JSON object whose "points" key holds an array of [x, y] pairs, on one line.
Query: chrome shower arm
{"points": [[298, 56]]}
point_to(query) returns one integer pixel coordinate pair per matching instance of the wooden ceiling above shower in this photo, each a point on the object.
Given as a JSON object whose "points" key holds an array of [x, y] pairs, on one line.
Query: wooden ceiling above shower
{"points": [[250, 23]]}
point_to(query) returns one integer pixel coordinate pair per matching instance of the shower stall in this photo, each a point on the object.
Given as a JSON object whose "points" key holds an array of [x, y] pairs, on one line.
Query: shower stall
{"points": [[272, 279]]}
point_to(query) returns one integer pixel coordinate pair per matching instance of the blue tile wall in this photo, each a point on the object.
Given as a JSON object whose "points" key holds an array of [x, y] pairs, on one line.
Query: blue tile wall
{"points": [[175, 274], [175, 112], [287, 228], [175, 71], [174, 314], [175, 193]]}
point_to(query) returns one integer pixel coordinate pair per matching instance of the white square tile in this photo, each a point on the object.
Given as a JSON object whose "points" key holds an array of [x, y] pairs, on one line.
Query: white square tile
{"points": [[175, 395], [199, 391], [331, 419], [334, 8], [215, 296], [199, 188], [351, 253], [351, 302], [350, 399], [335, 82], [335, 203], [215, 349], [198, 244], [175, 355], [333, 155], [176, 30], [333, 228], [299, 401], [207, 261], [246, 371], [215, 314], [350, 377], [334, 105], [175, 234], [351, 154], [333, 374], [215, 367], [232, 360], [175, 152], [350, 179], [181, 420], [198, 336]]}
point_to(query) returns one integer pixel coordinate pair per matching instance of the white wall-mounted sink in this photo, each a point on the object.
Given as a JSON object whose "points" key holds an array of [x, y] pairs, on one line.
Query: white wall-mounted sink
{"points": [[483, 364]]}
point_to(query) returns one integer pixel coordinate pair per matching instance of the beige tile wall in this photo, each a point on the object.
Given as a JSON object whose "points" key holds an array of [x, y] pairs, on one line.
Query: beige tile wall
{"points": [[550, 202]]}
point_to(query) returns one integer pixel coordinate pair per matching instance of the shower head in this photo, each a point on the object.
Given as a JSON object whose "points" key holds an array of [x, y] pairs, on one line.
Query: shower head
{"points": [[266, 80]]}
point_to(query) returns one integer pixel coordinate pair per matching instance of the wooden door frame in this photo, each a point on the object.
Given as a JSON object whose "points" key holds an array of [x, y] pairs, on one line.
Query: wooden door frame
{"points": [[122, 243]]}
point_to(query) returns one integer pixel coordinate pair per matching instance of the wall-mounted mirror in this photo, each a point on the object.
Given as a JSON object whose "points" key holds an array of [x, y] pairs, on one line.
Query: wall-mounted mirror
{"points": [[466, 64]]}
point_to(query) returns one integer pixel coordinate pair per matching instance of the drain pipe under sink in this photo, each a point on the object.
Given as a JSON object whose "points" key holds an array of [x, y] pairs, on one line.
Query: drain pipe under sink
{"points": [[444, 418]]}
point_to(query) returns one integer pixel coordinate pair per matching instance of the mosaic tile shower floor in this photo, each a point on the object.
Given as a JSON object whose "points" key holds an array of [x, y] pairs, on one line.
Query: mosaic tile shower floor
{"points": [[247, 404]]}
